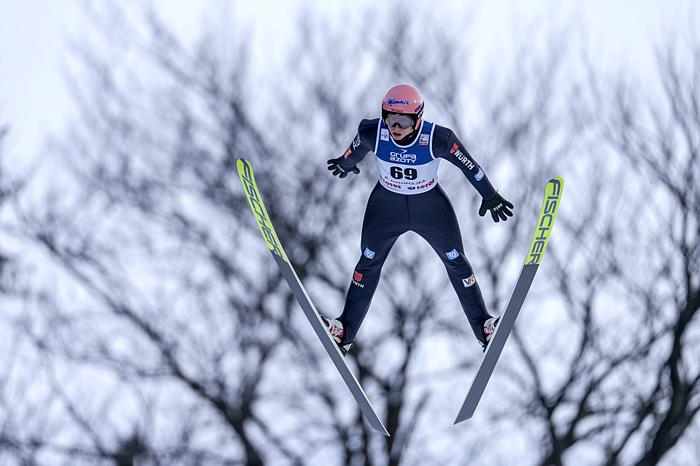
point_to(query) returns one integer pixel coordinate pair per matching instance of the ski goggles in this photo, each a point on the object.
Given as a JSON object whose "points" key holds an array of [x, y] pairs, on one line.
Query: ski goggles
{"points": [[404, 121]]}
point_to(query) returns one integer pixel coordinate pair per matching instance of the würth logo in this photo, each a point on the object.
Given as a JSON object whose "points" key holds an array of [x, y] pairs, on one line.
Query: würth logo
{"points": [[357, 278], [461, 157]]}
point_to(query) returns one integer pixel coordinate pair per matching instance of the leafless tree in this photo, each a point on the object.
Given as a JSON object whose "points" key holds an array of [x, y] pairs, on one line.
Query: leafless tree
{"points": [[616, 382], [160, 331], [658, 134], [5, 193]]}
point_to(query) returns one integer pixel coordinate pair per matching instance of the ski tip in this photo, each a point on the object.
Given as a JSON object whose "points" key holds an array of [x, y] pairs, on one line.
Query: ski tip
{"points": [[555, 186], [545, 221]]}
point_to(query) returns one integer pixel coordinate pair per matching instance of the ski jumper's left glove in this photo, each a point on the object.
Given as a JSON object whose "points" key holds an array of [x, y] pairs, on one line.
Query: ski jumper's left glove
{"points": [[499, 207], [334, 165]]}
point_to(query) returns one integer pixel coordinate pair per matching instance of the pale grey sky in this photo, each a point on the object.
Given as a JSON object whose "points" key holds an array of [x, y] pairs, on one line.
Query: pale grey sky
{"points": [[35, 101], [33, 36]]}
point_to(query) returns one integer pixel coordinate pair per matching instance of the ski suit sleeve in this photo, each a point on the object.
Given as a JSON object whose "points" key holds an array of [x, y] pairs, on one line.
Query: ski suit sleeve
{"points": [[447, 146], [362, 144]]}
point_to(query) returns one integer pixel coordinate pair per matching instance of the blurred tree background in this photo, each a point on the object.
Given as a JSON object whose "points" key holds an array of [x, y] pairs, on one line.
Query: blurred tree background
{"points": [[143, 321]]}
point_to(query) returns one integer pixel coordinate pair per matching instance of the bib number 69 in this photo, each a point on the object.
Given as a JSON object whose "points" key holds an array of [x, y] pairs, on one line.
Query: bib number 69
{"points": [[399, 173]]}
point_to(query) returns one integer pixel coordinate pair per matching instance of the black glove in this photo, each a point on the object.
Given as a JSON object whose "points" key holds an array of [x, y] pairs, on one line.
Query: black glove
{"points": [[334, 166], [499, 207]]}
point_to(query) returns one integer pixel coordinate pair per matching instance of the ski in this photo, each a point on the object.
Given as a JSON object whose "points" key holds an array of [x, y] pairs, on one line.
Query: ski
{"points": [[245, 172], [545, 222]]}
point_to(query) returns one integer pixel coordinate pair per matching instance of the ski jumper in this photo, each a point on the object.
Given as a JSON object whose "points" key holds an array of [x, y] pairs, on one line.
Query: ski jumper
{"points": [[408, 198]]}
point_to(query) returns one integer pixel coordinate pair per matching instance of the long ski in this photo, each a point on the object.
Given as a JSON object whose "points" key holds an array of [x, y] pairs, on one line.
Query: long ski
{"points": [[245, 172], [545, 222]]}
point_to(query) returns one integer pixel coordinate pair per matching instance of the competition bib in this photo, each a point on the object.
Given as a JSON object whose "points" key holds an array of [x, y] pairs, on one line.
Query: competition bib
{"points": [[410, 169]]}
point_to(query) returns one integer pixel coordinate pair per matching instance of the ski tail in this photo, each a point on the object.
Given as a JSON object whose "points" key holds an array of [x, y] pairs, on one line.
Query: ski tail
{"points": [[545, 222]]}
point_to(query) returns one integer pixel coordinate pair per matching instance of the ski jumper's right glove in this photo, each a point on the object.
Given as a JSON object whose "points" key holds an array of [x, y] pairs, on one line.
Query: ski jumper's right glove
{"points": [[335, 166], [499, 207]]}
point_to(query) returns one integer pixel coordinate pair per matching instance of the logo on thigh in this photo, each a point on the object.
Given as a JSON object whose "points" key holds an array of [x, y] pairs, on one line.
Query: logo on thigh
{"points": [[368, 253], [357, 278], [469, 281], [452, 255]]}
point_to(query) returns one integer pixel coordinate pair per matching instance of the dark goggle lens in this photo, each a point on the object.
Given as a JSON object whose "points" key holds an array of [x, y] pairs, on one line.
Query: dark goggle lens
{"points": [[404, 121]]}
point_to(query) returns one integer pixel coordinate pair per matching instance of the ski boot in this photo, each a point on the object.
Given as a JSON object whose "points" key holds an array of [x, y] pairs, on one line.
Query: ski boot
{"points": [[489, 329], [335, 327]]}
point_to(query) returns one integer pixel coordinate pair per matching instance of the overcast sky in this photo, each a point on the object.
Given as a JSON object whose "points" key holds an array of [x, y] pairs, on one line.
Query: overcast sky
{"points": [[33, 36], [34, 51]]}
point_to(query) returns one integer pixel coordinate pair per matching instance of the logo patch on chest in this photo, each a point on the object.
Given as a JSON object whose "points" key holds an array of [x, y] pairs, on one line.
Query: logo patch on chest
{"points": [[402, 157]]}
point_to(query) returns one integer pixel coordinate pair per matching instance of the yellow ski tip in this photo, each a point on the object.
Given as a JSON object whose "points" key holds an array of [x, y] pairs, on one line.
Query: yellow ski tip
{"points": [[545, 221], [250, 188]]}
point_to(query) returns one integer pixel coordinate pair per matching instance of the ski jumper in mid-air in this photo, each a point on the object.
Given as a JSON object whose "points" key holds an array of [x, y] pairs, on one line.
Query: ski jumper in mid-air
{"points": [[407, 197]]}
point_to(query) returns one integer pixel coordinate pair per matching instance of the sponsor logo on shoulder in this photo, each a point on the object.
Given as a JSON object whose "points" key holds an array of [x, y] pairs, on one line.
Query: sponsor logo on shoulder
{"points": [[369, 254], [384, 135], [479, 175], [356, 142], [469, 281], [452, 255], [424, 140]]}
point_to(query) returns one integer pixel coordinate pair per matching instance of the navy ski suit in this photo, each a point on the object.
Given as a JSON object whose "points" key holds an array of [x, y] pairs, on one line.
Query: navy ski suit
{"points": [[408, 198]]}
